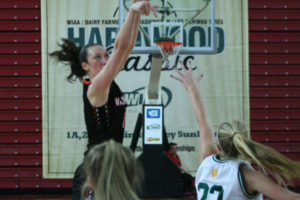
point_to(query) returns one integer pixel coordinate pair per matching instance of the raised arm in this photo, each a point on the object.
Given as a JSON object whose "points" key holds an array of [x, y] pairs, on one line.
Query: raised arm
{"points": [[124, 43], [207, 140], [257, 181]]}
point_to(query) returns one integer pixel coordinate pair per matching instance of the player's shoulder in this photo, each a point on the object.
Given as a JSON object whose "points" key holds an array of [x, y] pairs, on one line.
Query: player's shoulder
{"points": [[207, 160], [217, 159]]}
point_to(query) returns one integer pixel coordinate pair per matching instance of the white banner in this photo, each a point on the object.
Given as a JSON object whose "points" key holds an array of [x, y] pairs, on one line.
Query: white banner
{"points": [[224, 88]]}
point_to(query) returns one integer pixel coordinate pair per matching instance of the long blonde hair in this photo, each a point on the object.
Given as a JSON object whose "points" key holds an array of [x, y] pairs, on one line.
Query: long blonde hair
{"points": [[235, 142], [114, 171]]}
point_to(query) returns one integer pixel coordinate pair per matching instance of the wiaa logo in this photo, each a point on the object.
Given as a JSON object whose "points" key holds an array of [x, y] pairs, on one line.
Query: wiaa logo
{"points": [[137, 96]]}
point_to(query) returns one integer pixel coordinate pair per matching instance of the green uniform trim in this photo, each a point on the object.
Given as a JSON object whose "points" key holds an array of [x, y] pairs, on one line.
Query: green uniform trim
{"points": [[243, 186], [217, 159]]}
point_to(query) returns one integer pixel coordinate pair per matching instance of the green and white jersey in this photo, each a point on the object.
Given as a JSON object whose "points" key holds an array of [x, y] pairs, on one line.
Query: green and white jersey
{"points": [[221, 180]]}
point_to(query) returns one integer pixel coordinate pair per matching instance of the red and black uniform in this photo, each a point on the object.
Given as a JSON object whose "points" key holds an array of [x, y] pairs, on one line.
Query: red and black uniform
{"points": [[105, 122], [102, 123]]}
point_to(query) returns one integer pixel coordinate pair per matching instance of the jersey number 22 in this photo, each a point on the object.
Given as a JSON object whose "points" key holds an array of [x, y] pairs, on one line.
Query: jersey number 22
{"points": [[214, 188]]}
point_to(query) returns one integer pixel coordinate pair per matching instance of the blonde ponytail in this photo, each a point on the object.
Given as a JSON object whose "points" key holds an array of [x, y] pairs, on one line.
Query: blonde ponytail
{"points": [[114, 171], [236, 143]]}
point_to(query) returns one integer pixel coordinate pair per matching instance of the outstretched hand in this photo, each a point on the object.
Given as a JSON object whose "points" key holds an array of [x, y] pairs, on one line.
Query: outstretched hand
{"points": [[144, 7], [186, 78]]}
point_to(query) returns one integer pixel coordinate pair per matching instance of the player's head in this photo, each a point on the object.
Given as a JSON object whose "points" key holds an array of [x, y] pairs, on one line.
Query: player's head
{"points": [[226, 135], [112, 171], [93, 58], [172, 148], [235, 142], [86, 60]]}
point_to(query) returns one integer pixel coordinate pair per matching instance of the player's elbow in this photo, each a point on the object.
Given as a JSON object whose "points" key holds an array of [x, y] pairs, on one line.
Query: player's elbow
{"points": [[124, 44]]}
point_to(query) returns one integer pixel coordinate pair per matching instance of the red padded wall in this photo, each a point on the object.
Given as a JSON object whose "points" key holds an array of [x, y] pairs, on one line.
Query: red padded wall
{"points": [[20, 97], [275, 74], [274, 86]]}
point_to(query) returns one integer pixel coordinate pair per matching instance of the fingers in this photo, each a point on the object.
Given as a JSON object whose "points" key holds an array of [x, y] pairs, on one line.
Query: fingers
{"points": [[187, 73], [176, 78], [190, 67], [153, 10], [183, 66], [199, 77], [178, 72], [147, 7]]}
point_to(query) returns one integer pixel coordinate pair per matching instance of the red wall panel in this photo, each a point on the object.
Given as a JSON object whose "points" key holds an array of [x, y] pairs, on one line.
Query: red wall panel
{"points": [[275, 81], [288, 93], [21, 161], [274, 37], [274, 44], [279, 136], [20, 172], [275, 59], [266, 104], [280, 70], [20, 14], [22, 138], [21, 93], [20, 37], [20, 116], [274, 4], [19, 70], [274, 14], [20, 48], [20, 104], [20, 26], [272, 25], [20, 4], [20, 127], [20, 97], [20, 60], [274, 48], [20, 149], [12, 82]]}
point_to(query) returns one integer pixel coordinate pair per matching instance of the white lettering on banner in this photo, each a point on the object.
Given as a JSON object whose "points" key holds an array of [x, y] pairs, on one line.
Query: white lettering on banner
{"points": [[73, 22], [188, 134], [120, 101], [172, 135], [92, 22]]}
